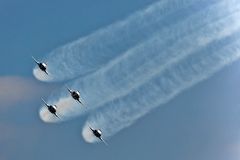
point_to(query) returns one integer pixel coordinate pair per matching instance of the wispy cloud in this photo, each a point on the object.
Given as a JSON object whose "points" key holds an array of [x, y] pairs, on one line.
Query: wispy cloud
{"points": [[14, 89]]}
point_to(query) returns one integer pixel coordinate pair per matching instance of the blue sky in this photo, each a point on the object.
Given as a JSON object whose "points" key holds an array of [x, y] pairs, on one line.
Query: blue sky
{"points": [[200, 123]]}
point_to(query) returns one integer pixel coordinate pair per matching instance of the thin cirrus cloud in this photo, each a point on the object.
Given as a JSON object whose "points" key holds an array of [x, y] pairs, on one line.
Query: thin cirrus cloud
{"points": [[15, 89]]}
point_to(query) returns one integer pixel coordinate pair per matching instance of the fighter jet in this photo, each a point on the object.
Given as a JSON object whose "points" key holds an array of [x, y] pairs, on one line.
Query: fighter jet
{"points": [[98, 133], [51, 108], [75, 95], [42, 66]]}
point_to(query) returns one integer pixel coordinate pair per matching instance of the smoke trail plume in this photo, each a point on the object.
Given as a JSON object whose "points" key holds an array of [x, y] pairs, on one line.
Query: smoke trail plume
{"points": [[124, 111], [89, 53], [138, 65]]}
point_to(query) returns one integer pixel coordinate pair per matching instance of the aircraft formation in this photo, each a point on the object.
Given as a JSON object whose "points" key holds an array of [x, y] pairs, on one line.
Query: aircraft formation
{"points": [[75, 94]]}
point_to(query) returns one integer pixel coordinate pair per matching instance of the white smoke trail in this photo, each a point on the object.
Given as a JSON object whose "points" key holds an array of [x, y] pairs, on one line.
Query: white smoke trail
{"points": [[124, 111], [136, 67], [41, 75], [89, 53]]}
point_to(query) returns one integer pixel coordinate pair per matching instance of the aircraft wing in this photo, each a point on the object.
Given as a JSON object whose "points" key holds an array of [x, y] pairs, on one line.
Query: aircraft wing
{"points": [[57, 115], [103, 141], [80, 102], [46, 72], [35, 60], [44, 102]]}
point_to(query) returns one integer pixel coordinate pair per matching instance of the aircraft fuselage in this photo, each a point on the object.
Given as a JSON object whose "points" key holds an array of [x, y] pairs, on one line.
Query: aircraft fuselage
{"points": [[52, 109], [75, 95], [97, 132], [42, 66]]}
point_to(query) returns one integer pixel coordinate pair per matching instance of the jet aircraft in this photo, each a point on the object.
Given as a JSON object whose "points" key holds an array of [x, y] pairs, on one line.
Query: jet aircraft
{"points": [[75, 95], [98, 133], [42, 66], [51, 108]]}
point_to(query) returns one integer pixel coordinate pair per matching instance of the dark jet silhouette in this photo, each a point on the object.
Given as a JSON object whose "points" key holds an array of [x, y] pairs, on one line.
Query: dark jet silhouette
{"points": [[75, 95], [51, 108], [42, 66], [98, 133]]}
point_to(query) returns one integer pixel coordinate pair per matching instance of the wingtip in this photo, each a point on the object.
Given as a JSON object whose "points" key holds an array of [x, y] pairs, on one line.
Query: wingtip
{"points": [[104, 141], [90, 128], [35, 60], [44, 101], [57, 116], [69, 90], [80, 102]]}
